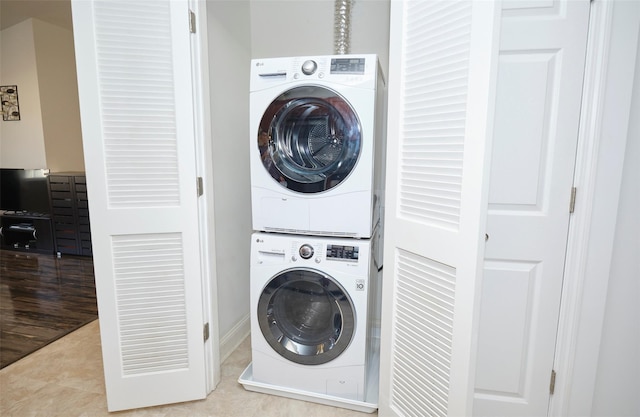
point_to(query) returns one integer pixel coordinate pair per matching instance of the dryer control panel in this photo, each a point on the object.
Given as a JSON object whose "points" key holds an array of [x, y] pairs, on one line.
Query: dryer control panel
{"points": [[361, 70], [347, 65]]}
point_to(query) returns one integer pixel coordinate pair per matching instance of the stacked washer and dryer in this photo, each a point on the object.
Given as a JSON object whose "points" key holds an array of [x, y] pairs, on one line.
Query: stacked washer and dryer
{"points": [[317, 176]]}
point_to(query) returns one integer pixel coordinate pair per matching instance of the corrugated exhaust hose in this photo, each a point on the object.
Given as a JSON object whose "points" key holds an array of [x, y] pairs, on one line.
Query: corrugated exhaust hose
{"points": [[342, 26]]}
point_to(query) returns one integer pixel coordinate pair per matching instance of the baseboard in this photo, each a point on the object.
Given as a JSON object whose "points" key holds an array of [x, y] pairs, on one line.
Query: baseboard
{"points": [[230, 341]]}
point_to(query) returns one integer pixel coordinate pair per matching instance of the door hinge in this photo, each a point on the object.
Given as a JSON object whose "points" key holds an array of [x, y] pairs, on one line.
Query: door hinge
{"points": [[200, 186], [205, 332], [192, 22], [552, 383], [572, 203]]}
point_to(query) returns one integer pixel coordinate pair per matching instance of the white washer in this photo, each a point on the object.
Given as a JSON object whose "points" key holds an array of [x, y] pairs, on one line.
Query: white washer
{"points": [[317, 149], [314, 313]]}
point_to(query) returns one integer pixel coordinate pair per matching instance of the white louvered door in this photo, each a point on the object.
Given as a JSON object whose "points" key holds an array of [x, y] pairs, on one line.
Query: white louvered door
{"points": [[135, 88], [441, 101]]}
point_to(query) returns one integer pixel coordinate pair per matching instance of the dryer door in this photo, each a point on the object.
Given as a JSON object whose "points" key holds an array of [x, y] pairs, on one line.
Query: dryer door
{"points": [[306, 316], [309, 139]]}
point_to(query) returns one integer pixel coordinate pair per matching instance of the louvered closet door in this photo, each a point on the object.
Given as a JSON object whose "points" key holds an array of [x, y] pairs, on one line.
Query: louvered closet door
{"points": [[442, 76], [134, 77]]}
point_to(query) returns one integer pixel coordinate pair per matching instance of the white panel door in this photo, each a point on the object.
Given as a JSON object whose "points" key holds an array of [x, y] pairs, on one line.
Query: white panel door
{"points": [[541, 66], [441, 98], [135, 87]]}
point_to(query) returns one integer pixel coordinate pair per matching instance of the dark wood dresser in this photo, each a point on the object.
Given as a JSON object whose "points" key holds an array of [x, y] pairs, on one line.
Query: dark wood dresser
{"points": [[70, 213]]}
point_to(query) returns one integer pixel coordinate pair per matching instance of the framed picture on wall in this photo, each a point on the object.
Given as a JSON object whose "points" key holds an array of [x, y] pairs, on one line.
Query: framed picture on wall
{"points": [[10, 107]]}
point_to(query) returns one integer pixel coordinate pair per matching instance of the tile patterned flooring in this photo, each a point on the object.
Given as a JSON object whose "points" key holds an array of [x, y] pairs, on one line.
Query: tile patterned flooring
{"points": [[66, 379]]}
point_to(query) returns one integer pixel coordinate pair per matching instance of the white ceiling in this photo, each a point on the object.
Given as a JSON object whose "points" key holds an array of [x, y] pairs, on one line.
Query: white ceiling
{"points": [[57, 12]]}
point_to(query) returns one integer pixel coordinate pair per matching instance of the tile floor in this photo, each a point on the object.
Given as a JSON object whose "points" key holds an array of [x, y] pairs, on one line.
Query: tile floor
{"points": [[65, 378]]}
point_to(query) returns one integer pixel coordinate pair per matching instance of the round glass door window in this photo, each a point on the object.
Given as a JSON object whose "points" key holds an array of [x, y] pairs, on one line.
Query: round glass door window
{"points": [[306, 316], [309, 139]]}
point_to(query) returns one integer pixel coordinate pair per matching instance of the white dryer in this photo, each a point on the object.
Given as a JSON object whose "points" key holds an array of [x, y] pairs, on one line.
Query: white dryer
{"points": [[317, 148], [315, 314]]}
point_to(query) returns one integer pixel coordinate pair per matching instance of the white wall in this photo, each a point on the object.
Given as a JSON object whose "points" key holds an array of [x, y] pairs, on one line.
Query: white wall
{"points": [[291, 28], [370, 29], [306, 27], [56, 63], [229, 53], [39, 58], [22, 141], [618, 376]]}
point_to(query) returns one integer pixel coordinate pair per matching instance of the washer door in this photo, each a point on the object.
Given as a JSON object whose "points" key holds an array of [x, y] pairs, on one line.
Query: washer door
{"points": [[306, 316], [309, 139]]}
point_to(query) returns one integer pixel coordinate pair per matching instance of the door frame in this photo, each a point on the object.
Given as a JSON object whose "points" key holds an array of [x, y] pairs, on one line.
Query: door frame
{"points": [[206, 207], [602, 137]]}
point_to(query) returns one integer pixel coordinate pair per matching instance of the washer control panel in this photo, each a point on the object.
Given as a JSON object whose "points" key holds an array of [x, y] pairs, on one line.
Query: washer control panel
{"points": [[306, 251], [342, 252]]}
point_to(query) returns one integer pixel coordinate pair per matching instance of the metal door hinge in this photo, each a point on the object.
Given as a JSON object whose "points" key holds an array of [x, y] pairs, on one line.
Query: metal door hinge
{"points": [[192, 22], [206, 332], [200, 186], [552, 383], [572, 203]]}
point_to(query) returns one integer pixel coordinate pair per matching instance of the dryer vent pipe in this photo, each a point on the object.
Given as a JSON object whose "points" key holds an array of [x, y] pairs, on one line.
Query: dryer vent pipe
{"points": [[342, 28]]}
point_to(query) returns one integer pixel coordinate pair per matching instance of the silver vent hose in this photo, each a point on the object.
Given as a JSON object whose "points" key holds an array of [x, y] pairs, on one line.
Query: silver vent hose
{"points": [[342, 28]]}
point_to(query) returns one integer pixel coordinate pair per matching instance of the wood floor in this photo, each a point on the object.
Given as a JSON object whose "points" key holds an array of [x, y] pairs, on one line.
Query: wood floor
{"points": [[42, 298]]}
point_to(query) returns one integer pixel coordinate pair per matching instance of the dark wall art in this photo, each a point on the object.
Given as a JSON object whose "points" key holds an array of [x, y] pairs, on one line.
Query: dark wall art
{"points": [[10, 107]]}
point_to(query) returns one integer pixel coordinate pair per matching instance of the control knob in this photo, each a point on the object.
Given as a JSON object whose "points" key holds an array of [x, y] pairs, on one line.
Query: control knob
{"points": [[306, 251], [309, 67]]}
